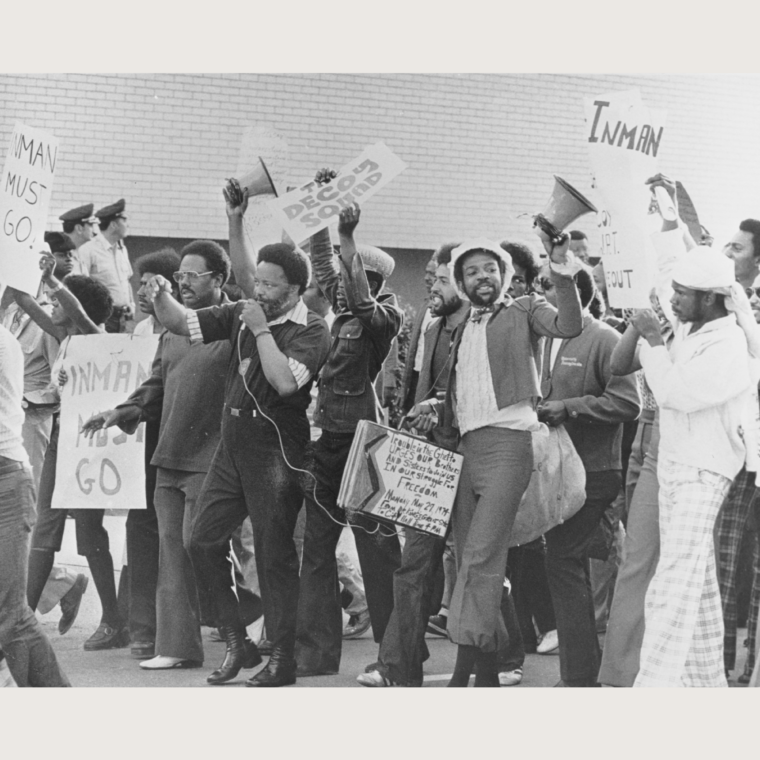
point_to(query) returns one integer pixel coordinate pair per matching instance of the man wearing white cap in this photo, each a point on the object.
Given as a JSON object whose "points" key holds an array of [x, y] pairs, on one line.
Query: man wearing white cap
{"points": [[703, 388], [491, 397]]}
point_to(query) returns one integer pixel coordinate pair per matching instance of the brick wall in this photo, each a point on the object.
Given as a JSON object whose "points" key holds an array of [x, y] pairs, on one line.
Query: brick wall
{"points": [[481, 149]]}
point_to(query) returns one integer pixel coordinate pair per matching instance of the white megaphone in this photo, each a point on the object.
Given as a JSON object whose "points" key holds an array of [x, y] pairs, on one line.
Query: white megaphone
{"points": [[258, 181]]}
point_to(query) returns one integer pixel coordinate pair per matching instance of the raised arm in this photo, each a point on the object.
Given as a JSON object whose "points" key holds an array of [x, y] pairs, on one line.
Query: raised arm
{"points": [[172, 315], [242, 251], [37, 313], [625, 356], [69, 302]]}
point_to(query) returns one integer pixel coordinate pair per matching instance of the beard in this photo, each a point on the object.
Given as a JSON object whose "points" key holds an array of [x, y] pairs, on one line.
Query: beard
{"points": [[486, 299], [446, 306], [275, 307]]}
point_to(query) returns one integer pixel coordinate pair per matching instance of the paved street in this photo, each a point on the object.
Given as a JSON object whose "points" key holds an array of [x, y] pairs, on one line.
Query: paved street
{"points": [[117, 668]]}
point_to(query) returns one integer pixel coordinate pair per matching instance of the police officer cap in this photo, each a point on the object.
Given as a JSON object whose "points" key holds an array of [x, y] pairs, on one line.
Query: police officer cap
{"points": [[59, 242], [113, 210], [376, 260], [80, 214]]}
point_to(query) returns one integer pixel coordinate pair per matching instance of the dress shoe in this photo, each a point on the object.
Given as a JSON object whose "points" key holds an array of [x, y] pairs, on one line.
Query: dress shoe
{"points": [[141, 650], [241, 654], [169, 663], [70, 602], [106, 637], [279, 671]]}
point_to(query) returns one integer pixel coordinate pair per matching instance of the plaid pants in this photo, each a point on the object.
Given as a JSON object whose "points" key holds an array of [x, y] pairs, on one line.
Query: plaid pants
{"points": [[754, 610], [683, 638], [732, 523]]}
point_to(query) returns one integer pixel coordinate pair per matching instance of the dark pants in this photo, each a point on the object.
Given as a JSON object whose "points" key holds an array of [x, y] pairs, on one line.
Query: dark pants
{"points": [[249, 477], [142, 552], [526, 569], [512, 656], [320, 623], [403, 648], [92, 537], [567, 568]]}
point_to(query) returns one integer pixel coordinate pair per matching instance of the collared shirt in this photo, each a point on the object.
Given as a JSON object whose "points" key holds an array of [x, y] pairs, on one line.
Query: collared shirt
{"points": [[39, 348], [110, 265], [476, 399], [300, 335], [298, 315], [703, 387]]}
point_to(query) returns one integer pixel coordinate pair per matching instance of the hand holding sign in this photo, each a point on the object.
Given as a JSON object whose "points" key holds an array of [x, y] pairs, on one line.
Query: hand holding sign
{"points": [[647, 325], [315, 205], [47, 265]]}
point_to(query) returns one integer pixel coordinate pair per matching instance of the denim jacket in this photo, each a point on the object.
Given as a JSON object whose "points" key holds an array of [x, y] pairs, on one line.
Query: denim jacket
{"points": [[362, 335]]}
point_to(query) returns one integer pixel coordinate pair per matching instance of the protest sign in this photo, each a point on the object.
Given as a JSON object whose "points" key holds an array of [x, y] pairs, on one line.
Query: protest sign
{"points": [[624, 138], [312, 207], [106, 471], [26, 185], [400, 478]]}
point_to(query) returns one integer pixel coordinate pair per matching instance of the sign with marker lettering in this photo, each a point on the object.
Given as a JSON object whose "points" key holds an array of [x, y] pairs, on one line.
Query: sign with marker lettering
{"points": [[312, 207], [26, 185], [399, 478], [624, 138], [106, 471]]}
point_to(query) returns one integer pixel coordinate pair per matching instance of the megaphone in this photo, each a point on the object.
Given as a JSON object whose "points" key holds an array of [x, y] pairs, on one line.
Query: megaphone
{"points": [[564, 207], [258, 181]]}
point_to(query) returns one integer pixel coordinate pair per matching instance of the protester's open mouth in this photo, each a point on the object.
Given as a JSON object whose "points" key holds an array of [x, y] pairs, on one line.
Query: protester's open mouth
{"points": [[436, 300]]}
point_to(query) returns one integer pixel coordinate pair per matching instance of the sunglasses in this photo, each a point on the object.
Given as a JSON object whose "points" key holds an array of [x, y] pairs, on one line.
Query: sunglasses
{"points": [[191, 276]]}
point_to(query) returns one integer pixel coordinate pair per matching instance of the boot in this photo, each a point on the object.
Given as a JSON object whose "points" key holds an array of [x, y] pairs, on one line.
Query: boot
{"points": [[241, 653], [280, 670]]}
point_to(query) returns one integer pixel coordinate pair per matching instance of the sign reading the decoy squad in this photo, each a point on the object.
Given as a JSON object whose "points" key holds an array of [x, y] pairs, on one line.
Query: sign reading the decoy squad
{"points": [[25, 188], [312, 207], [624, 138], [106, 471]]}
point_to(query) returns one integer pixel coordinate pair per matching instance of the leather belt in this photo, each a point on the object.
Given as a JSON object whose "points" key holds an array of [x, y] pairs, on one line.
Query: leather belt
{"points": [[243, 412]]}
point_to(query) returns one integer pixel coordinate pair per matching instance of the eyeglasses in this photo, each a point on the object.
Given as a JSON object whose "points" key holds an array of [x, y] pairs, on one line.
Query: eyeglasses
{"points": [[191, 276]]}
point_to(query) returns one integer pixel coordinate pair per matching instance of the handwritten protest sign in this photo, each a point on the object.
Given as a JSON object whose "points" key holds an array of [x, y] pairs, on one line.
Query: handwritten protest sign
{"points": [[624, 138], [312, 207], [108, 470], [25, 188], [399, 478]]}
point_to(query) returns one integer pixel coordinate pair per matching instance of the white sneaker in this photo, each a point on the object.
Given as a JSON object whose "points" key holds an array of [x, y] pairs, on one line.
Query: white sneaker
{"points": [[548, 643], [374, 678], [160, 662], [511, 677]]}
